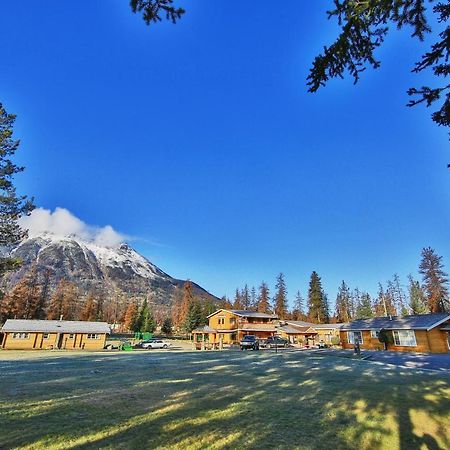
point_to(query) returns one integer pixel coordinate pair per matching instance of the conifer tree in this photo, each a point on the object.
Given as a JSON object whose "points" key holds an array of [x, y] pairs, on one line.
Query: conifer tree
{"points": [[245, 298], [263, 299], [384, 305], [12, 206], [207, 307], [435, 281], [88, 312], [237, 304], [280, 299], [63, 301], [44, 296], [22, 302], [176, 310], [355, 300], [417, 298], [253, 299], [225, 303], [166, 327], [364, 309], [342, 312], [130, 317], [181, 304], [317, 304], [145, 321], [396, 293], [298, 313], [193, 317]]}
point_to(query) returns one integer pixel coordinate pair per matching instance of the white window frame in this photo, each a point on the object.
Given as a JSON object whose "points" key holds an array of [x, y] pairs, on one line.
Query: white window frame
{"points": [[404, 341], [374, 334], [351, 336], [21, 335], [93, 336]]}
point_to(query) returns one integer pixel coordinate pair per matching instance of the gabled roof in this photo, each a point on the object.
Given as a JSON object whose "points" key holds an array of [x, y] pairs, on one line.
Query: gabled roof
{"points": [[54, 326], [245, 313], [415, 322], [258, 327], [296, 330], [204, 329], [300, 323], [327, 326]]}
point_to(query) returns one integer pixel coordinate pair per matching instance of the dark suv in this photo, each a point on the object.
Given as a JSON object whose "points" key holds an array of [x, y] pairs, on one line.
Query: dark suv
{"points": [[249, 342], [276, 341]]}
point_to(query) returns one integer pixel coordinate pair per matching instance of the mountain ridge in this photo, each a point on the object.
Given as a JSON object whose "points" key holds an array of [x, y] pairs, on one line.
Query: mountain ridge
{"points": [[111, 271]]}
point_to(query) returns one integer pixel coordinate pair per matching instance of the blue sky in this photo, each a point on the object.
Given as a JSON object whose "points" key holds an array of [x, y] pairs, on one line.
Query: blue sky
{"points": [[200, 140]]}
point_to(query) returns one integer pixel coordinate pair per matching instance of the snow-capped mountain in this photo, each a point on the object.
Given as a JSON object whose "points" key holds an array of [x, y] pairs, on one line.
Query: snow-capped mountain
{"points": [[96, 268]]}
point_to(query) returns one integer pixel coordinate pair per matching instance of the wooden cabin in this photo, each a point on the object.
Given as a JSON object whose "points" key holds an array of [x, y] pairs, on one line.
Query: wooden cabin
{"points": [[300, 333], [228, 326], [416, 333], [307, 333], [20, 334]]}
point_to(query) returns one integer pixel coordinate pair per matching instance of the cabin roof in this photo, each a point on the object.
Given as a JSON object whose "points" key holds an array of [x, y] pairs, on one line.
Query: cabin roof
{"points": [[55, 326], [414, 322], [258, 327], [245, 313], [204, 329], [296, 330], [300, 323]]}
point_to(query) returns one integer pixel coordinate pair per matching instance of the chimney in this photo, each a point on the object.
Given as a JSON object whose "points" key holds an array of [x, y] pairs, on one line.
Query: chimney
{"points": [[60, 318], [390, 317]]}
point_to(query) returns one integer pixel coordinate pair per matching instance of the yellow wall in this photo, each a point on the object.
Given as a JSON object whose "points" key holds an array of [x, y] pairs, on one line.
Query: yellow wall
{"points": [[230, 319], [434, 341], [37, 341]]}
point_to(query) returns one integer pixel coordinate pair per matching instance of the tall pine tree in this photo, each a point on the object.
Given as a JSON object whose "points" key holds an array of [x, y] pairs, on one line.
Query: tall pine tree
{"points": [[417, 298], [342, 311], [263, 299], [435, 281], [280, 300], [364, 308], [317, 303], [298, 313], [12, 206]]}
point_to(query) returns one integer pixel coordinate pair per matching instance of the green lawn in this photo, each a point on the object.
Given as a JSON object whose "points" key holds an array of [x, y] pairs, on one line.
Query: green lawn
{"points": [[218, 400]]}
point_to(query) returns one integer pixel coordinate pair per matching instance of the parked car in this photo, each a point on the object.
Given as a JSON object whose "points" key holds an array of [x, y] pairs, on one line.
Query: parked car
{"points": [[249, 342], [155, 343], [276, 341], [262, 343]]}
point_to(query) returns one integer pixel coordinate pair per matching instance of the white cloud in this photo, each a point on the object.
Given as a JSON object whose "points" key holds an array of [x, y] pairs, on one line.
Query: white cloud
{"points": [[62, 222]]}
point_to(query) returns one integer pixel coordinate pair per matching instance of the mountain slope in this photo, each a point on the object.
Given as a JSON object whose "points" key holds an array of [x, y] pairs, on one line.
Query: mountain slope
{"points": [[105, 270]]}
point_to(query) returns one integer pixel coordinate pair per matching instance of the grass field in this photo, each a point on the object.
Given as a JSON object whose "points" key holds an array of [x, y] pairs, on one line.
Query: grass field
{"points": [[218, 400]]}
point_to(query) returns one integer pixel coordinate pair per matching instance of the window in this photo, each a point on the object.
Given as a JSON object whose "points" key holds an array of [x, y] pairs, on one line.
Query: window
{"points": [[355, 335], [405, 338], [21, 335], [45, 336], [232, 321], [93, 336], [221, 320], [374, 333]]}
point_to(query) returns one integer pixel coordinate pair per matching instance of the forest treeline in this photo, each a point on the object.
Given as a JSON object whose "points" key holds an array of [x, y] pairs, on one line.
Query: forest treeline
{"points": [[32, 298], [430, 294]]}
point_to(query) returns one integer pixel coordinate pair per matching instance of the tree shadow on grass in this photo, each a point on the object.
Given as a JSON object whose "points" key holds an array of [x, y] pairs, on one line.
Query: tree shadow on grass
{"points": [[223, 400]]}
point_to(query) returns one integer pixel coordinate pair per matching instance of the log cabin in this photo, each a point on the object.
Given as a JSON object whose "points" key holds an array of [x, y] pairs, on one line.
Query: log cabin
{"points": [[20, 334], [228, 326], [428, 333], [309, 334]]}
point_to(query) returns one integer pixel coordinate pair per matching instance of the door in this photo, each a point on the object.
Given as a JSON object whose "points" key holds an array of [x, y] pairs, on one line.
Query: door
{"points": [[59, 340]]}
